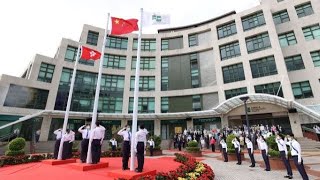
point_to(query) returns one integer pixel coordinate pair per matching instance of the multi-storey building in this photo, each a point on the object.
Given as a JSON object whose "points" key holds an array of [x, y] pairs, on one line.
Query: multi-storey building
{"points": [[191, 76]]}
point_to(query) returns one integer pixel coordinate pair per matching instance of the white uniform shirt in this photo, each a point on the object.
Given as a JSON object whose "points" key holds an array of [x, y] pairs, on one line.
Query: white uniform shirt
{"points": [[151, 143], [125, 134], [114, 142], [69, 136], [141, 136], [85, 132], [58, 133], [264, 146], [295, 149], [224, 145], [98, 133], [249, 145], [236, 144], [282, 145]]}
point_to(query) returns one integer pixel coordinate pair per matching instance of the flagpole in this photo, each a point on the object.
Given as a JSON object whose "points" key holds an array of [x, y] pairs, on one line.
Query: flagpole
{"points": [[280, 85], [96, 98], [66, 115], [136, 97]]}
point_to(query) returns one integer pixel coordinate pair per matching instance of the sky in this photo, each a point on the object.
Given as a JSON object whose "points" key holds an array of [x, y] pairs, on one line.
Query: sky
{"points": [[30, 27]]}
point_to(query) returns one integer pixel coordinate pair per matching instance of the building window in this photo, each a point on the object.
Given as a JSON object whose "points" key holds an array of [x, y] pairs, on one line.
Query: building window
{"points": [[193, 40], [164, 44], [195, 77], [281, 17], [304, 10], [146, 63], [145, 105], [164, 74], [235, 92], [280, 0], [26, 97], [196, 103], [258, 43], [253, 21], [92, 38], [315, 55], [112, 83], [117, 43], [287, 39], [114, 61], [230, 50], [110, 104], [294, 63], [71, 54], [272, 88], [46, 72], [263, 67], [302, 90], [146, 83], [311, 32], [233, 73], [227, 30], [164, 105], [146, 44]]}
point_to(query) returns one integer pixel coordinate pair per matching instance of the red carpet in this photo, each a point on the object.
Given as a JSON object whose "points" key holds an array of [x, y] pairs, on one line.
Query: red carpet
{"points": [[40, 171]]}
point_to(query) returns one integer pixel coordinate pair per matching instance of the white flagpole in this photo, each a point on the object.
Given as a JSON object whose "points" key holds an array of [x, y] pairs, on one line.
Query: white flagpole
{"points": [[280, 85], [96, 98], [66, 115], [136, 97]]}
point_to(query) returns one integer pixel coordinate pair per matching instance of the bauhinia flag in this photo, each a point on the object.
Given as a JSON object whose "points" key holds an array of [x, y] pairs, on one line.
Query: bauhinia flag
{"points": [[123, 26], [90, 54], [150, 19]]}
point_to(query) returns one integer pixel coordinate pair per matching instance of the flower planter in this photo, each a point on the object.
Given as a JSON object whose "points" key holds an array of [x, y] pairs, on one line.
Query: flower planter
{"points": [[194, 154], [233, 157], [155, 153], [277, 164]]}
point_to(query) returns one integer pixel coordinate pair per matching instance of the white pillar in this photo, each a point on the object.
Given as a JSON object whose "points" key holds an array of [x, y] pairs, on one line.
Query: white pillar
{"points": [[157, 127], [295, 124]]}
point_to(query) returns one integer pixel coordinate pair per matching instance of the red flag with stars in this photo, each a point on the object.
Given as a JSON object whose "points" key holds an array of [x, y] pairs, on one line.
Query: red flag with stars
{"points": [[123, 26], [89, 54]]}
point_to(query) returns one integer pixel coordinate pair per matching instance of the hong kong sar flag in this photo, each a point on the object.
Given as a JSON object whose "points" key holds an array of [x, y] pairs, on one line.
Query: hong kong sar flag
{"points": [[89, 54]]}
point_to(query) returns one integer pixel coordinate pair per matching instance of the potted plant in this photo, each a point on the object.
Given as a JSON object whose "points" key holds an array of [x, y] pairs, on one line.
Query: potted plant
{"points": [[157, 151], [193, 149], [231, 151]]}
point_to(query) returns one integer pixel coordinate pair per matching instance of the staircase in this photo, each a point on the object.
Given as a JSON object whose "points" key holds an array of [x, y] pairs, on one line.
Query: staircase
{"points": [[308, 145]]}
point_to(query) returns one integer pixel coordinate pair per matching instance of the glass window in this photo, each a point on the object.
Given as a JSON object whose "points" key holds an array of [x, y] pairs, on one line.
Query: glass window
{"points": [[145, 105], [194, 67], [164, 105], [71, 55], [227, 30], [315, 55], [311, 32], [92, 38], [230, 50], [263, 67], [114, 61], [46, 72], [302, 90], [164, 44], [146, 83], [235, 92], [304, 10], [253, 21], [146, 44], [117, 43], [233, 73], [287, 39], [146, 63], [258, 43], [281, 17], [196, 103], [193, 40], [272, 88], [164, 74], [294, 63], [280, 0]]}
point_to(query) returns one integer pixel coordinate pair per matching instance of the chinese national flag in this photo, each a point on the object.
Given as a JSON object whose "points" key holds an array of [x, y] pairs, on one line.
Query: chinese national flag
{"points": [[90, 54], [123, 26]]}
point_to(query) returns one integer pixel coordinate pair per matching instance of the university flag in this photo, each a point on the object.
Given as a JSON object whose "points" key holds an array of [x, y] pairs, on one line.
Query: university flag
{"points": [[150, 19]]}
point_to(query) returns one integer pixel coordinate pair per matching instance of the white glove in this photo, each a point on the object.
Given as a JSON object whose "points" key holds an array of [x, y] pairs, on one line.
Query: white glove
{"points": [[135, 150]]}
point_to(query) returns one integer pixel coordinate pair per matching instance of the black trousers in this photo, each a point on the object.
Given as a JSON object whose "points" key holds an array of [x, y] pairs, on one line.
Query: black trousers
{"points": [[56, 149], [225, 155], [265, 159], [96, 151], [253, 162], [213, 148], [113, 148], [286, 162], [300, 168], [66, 149], [179, 146], [238, 155], [125, 154], [70, 150], [84, 149], [140, 155], [151, 150]]}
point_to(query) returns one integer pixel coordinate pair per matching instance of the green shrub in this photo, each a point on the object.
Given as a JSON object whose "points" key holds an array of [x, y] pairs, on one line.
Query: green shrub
{"points": [[17, 144], [231, 151], [271, 142], [192, 144], [14, 153], [229, 142], [157, 141], [274, 153], [193, 149]]}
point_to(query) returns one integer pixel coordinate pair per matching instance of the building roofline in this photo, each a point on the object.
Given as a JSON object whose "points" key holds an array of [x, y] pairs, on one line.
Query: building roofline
{"points": [[198, 24]]}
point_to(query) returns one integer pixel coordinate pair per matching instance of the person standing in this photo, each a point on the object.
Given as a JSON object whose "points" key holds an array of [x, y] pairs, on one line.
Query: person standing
{"points": [[296, 156], [264, 151], [58, 134], [213, 142], [97, 139], [250, 151], [224, 149], [141, 141], [71, 140], [237, 148], [114, 144], [126, 134], [179, 142], [85, 131], [282, 147], [38, 132], [67, 144], [151, 146]]}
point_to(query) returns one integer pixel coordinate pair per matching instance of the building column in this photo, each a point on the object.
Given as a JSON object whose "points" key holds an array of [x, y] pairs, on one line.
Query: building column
{"points": [[157, 127], [189, 124], [295, 124], [224, 121], [45, 128], [124, 122]]}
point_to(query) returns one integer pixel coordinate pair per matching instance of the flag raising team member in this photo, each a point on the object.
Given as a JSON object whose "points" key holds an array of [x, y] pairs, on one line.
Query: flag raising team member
{"points": [[85, 131], [141, 142], [126, 134]]}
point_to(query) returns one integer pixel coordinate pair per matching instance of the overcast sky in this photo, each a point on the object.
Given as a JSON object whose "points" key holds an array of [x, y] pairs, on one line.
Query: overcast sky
{"points": [[30, 27]]}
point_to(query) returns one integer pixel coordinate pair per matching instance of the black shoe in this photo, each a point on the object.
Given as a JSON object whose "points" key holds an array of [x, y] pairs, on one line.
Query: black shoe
{"points": [[287, 176], [125, 169], [225, 161], [267, 169], [290, 177], [137, 170], [252, 166]]}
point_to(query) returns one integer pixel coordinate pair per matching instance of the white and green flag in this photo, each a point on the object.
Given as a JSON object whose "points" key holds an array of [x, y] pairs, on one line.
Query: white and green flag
{"points": [[150, 19]]}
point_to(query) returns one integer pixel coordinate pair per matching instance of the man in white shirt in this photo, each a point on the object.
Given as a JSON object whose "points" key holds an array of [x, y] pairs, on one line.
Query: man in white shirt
{"points": [[97, 139], [237, 148], [141, 141], [151, 146], [250, 151], [282, 147], [114, 144], [58, 134], [85, 131], [126, 134], [296, 156], [264, 152], [224, 149], [68, 139]]}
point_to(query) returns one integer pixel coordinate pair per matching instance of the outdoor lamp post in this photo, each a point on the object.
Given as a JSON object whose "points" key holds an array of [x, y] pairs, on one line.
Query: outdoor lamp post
{"points": [[245, 99]]}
